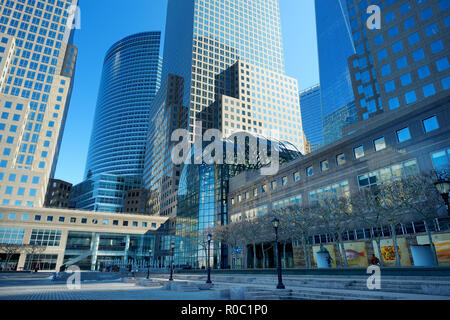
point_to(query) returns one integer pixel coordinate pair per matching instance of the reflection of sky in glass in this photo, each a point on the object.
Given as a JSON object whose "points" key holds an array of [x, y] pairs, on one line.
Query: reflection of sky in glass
{"points": [[333, 37]]}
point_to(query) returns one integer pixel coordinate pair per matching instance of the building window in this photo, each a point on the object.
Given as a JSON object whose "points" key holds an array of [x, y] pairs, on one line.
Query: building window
{"points": [[410, 97], [324, 166], [135, 224], [309, 171], [441, 160], [49, 218], [62, 219], [296, 176], [403, 135], [115, 222], [125, 223], [399, 170], [284, 181], [43, 261], [37, 218], [379, 144], [73, 220], [428, 90], [84, 220], [358, 152], [430, 124], [264, 188], [340, 159], [11, 235], [47, 238], [94, 221], [105, 222], [274, 185]]}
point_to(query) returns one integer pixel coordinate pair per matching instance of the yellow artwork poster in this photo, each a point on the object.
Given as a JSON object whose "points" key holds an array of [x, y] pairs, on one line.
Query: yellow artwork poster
{"points": [[356, 254], [442, 244], [387, 250], [330, 249]]}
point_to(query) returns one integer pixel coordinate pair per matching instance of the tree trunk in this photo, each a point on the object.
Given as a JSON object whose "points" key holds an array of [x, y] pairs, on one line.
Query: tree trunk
{"points": [[254, 256], [244, 257], [264, 256], [380, 254], [344, 254], [433, 248], [305, 253], [394, 239]]}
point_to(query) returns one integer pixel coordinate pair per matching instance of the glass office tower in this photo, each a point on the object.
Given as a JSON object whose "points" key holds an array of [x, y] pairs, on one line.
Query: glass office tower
{"points": [[311, 110], [229, 57], [335, 46], [115, 163], [130, 79], [37, 64]]}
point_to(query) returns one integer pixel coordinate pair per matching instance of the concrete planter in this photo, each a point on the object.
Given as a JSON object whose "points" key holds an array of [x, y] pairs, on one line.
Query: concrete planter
{"points": [[322, 260], [422, 256]]}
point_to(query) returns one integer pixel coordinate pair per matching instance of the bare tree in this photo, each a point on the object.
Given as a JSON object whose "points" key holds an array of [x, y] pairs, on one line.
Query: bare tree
{"points": [[367, 210], [10, 249], [423, 200], [392, 198], [303, 224], [334, 216]]}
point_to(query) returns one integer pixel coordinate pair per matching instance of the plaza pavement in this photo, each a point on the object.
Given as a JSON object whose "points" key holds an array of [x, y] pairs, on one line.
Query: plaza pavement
{"points": [[33, 287], [116, 286]]}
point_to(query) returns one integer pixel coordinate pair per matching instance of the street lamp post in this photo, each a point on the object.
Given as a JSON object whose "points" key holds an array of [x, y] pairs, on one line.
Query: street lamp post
{"points": [[149, 263], [171, 263], [208, 257], [275, 224], [443, 187]]}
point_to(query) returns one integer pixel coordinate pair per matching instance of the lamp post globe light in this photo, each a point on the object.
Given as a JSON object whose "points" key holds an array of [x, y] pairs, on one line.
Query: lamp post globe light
{"points": [[443, 187], [208, 258], [149, 263], [172, 247], [276, 224]]}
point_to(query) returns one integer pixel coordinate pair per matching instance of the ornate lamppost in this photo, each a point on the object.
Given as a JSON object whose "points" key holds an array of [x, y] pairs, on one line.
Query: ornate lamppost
{"points": [[172, 247], [208, 258], [149, 263], [276, 224]]}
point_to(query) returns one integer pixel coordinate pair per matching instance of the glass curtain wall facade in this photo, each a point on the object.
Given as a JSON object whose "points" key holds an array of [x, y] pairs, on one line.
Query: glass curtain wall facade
{"points": [[203, 204], [333, 35], [130, 79], [102, 192], [311, 111], [37, 64], [206, 43]]}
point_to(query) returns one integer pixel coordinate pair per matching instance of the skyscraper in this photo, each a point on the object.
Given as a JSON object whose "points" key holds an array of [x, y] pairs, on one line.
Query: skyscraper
{"points": [[335, 46], [37, 64], [130, 79], [311, 110], [228, 57], [404, 62]]}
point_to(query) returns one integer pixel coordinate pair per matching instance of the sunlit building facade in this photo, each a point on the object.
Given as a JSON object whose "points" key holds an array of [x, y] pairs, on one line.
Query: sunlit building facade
{"points": [[37, 67]]}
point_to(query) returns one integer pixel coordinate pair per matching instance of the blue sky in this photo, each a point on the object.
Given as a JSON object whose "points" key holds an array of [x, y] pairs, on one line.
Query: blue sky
{"points": [[103, 22]]}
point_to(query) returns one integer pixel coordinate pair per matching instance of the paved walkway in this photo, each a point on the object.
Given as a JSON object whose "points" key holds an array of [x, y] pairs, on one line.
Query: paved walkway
{"points": [[20, 287]]}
